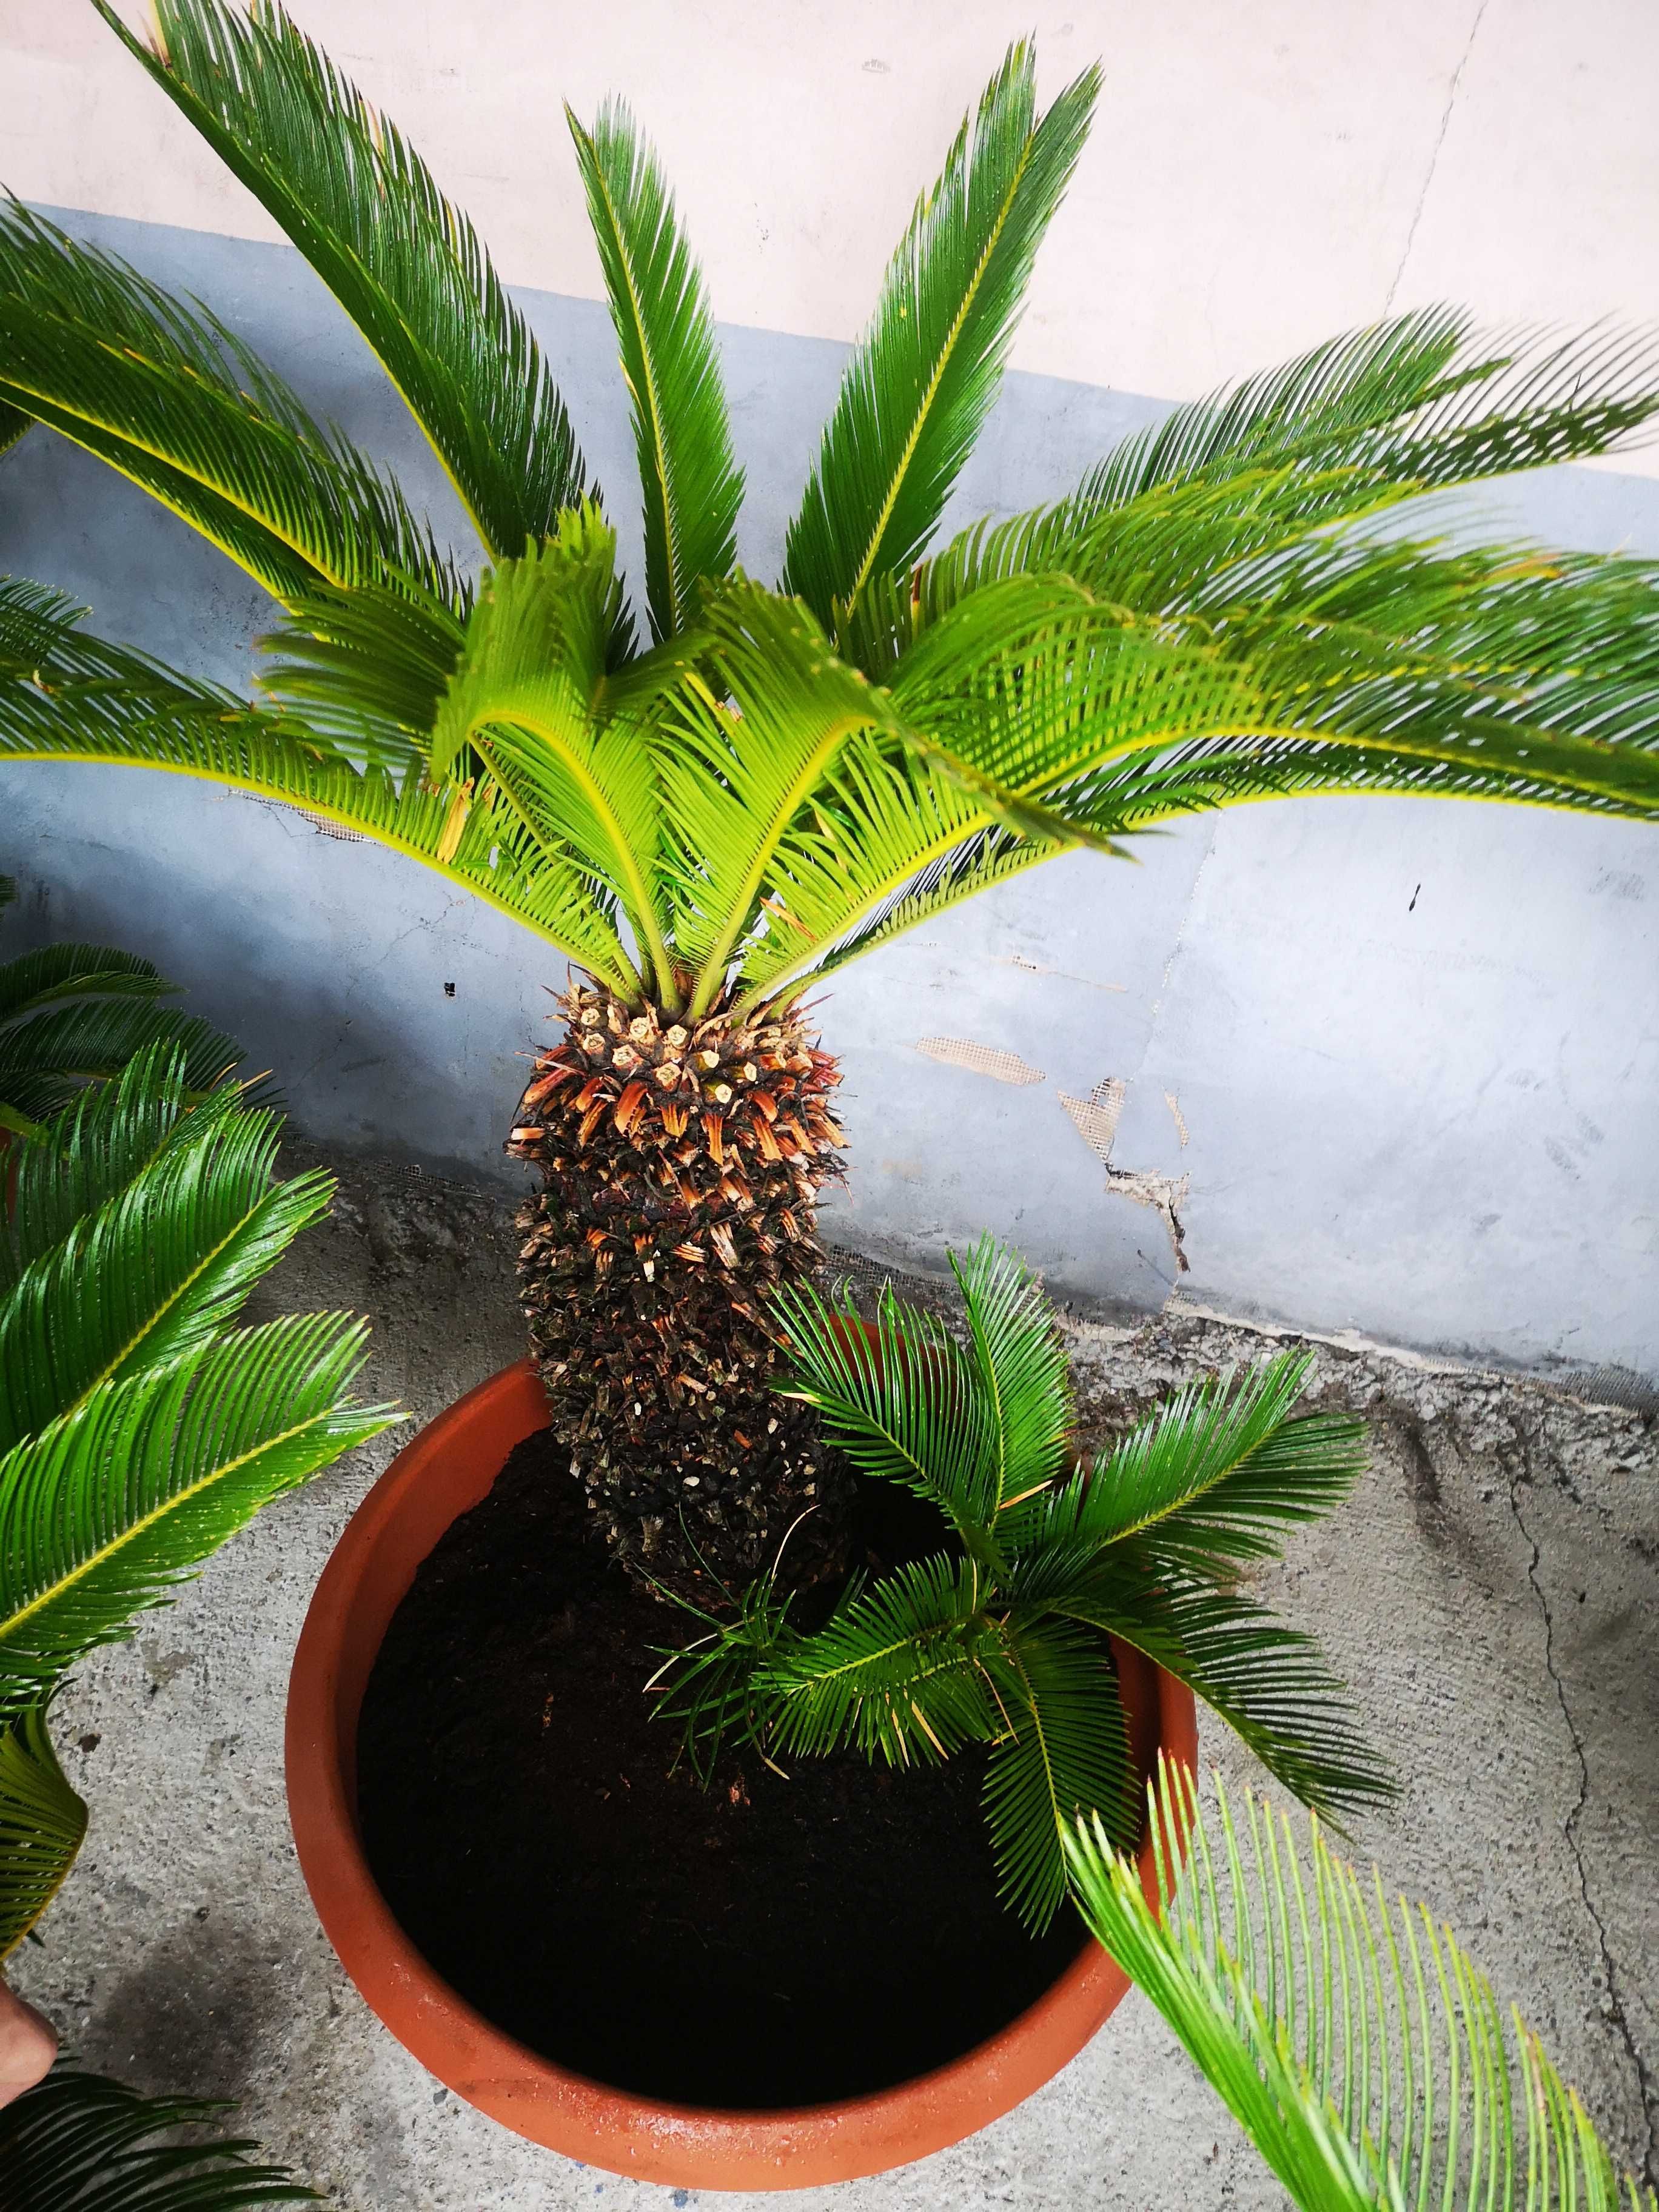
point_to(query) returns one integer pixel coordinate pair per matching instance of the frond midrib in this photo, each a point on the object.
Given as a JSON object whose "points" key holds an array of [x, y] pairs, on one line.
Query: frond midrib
{"points": [[947, 353]]}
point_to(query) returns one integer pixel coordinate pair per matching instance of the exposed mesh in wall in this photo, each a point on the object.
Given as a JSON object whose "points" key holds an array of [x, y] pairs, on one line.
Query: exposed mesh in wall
{"points": [[981, 1060], [320, 822], [1613, 1385]]}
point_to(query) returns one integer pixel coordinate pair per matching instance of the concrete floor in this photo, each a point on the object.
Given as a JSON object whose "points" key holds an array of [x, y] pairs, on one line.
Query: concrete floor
{"points": [[1488, 1594]]}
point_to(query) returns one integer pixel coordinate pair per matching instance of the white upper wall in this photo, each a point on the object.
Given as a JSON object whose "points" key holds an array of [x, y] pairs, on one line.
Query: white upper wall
{"points": [[1260, 176]]}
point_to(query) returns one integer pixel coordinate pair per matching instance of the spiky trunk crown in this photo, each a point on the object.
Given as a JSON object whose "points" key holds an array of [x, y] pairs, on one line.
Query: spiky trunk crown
{"points": [[681, 1163]]}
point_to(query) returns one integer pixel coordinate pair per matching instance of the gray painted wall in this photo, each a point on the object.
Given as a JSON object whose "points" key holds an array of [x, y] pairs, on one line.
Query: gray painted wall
{"points": [[1401, 1055]]}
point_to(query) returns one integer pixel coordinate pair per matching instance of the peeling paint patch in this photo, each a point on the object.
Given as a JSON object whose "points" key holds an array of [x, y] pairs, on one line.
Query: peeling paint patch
{"points": [[1179, 1119], [1096, 1119], [981, 1060]]}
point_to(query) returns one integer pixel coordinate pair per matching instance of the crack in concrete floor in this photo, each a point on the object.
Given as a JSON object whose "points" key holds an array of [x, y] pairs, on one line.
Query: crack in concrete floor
{"points": [[1520, 1475]]}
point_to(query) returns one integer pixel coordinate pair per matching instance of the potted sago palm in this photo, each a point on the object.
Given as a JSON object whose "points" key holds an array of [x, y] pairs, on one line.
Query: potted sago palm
{"points": [[709, 803], [537, 1895]]}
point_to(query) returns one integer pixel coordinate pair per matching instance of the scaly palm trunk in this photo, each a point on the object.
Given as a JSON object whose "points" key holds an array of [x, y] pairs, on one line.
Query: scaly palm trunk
{"points": [[681, 1165]]}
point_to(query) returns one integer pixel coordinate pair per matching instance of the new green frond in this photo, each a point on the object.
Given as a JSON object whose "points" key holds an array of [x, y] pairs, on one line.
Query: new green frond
{"points": [[904, 1408], [80, 2142], [920, 386], [42, 1823], [1021, 1372], [1358, 2045], [402, 261], [527, 705], [691, 486]]}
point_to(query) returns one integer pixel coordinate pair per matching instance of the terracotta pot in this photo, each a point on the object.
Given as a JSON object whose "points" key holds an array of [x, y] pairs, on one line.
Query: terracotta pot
{"points": [[445, 1470]]}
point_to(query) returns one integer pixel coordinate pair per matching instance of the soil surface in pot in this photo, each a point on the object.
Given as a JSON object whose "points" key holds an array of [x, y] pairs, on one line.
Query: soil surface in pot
{"points": [[763, 1942]]}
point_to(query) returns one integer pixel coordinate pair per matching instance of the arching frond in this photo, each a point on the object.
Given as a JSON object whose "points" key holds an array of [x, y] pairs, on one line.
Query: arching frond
{"points": [[1419, 401], [1355, 2043], [921, 383], [162, 1266], [366, 670], [80, 2142], [402, 261], [692, 487], [166, 394], [1268, 1682], [93, 1148], [45, 1060], [42, 1823], [105, 1511], [1224, 1463], [66, 697], [74, 1014]]}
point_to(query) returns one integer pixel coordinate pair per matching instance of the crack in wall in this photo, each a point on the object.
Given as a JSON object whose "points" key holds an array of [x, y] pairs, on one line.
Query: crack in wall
{"points": [[1452, 91], [1520, 1470], [1095, 1118]]}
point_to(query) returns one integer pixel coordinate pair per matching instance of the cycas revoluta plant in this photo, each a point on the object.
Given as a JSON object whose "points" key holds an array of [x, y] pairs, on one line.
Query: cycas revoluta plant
{"points": [[140, 1426], [1003, 1635], [1356, 2043], [769, 783]]}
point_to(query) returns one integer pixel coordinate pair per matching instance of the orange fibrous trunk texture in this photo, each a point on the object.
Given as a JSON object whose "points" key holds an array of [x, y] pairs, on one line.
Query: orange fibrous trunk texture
{"points": [[681, 1164]]}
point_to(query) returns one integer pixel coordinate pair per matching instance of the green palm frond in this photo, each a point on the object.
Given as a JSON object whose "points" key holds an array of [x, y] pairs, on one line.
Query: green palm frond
{"points": [[785, 774], [1021, 1372], [44, 1061], [42, 1823], [1346, 665], [80, 2142], [1065, 1751], [1356, 2043], [160, 1267], [366, 670], [402, 261], [1223, 1463], [692, 487], [1417, 402], [1268, 1682], [922, 381], [76, 698], [74, 1014], [56, 972], [894, 1672], [99, 1144], [935, 1439], [1005, 1638], [13, 423], [170, 397], [105, 1511]]}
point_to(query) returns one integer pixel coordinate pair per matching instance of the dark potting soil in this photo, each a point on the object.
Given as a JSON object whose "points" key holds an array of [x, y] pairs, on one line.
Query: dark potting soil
{"points": [[761, 1942]]}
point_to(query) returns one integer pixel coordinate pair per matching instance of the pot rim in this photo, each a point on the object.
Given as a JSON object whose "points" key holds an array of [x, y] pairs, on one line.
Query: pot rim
{"points": [[448, 1467]]}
